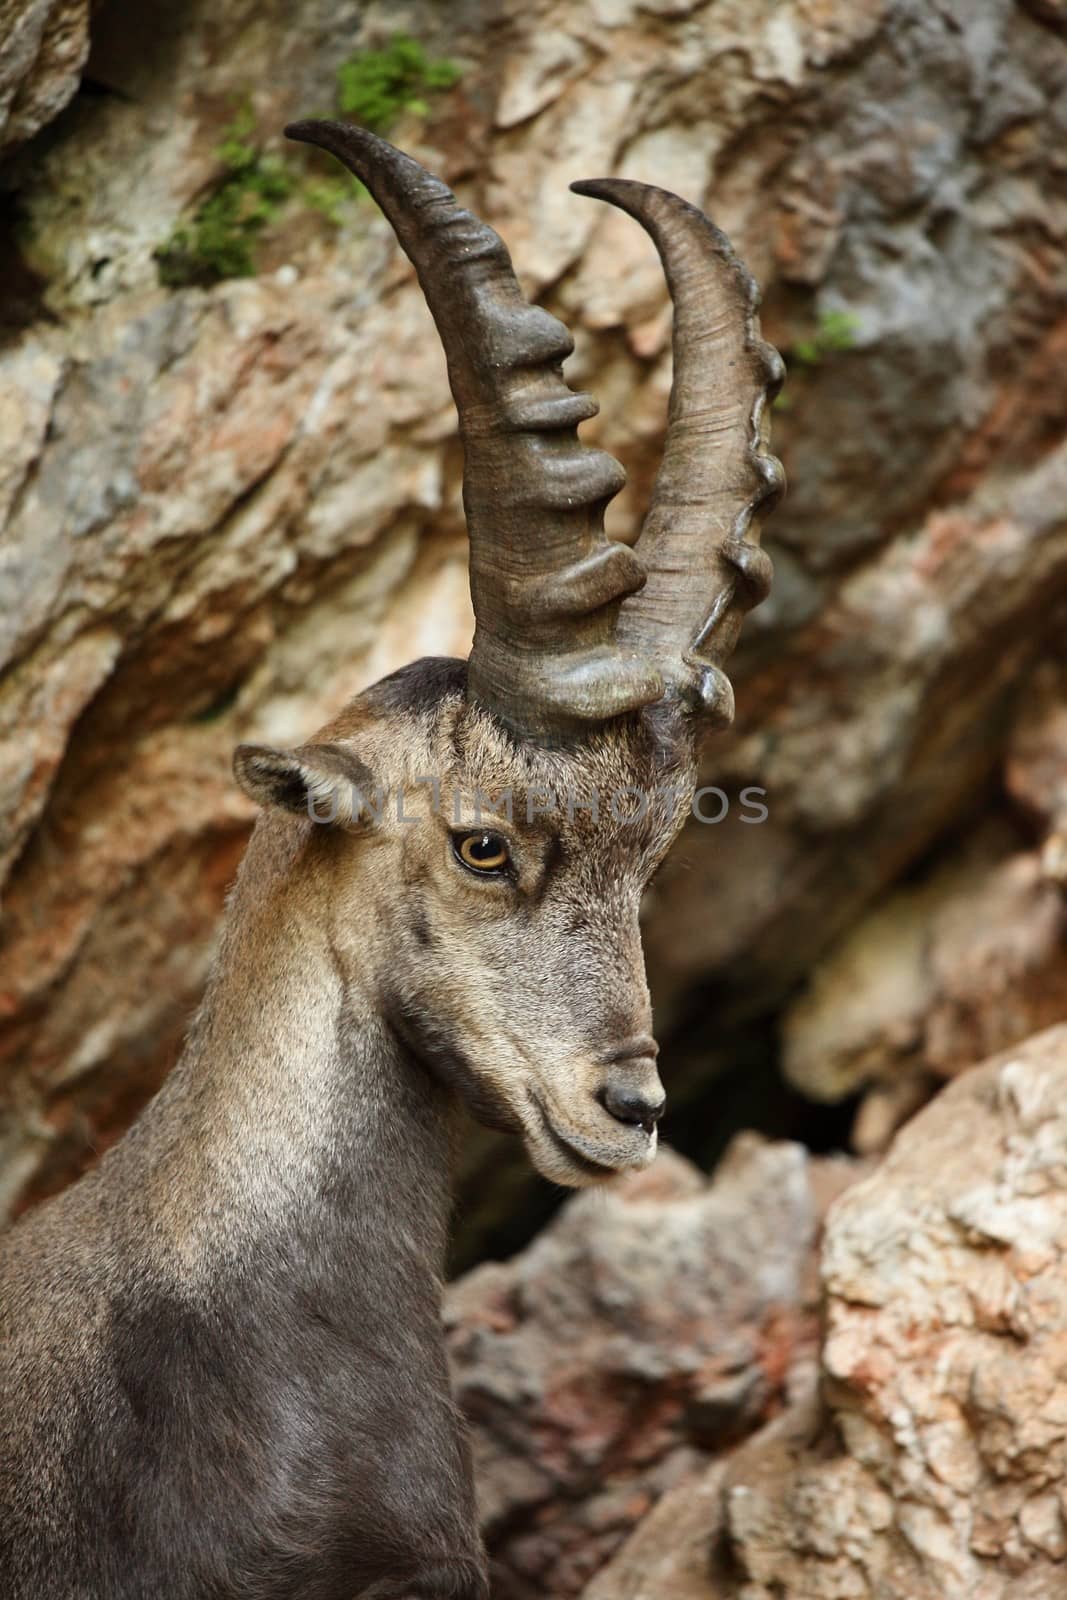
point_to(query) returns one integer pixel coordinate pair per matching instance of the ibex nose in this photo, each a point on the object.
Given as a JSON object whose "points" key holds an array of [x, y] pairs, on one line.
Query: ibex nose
{"points": [[635, 1109]]}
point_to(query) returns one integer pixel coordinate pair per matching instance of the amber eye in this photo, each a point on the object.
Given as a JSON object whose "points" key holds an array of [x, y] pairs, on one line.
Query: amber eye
{"points": [[482, 852]]}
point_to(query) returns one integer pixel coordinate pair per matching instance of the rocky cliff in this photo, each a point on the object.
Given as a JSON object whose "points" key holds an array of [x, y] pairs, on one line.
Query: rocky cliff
{"points": [[230, 485], [229, 498]]}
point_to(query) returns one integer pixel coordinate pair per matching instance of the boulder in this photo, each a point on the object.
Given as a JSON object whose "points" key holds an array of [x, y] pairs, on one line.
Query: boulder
{"points": [[932, 1464], [648, 1327]]}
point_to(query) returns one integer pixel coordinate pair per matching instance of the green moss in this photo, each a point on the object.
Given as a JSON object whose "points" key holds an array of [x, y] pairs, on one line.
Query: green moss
{"points": [[374, 87], [218, 241], [330, 195], [835, 330], [235, 152]]}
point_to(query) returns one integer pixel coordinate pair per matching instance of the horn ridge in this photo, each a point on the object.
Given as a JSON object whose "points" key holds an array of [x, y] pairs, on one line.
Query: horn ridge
{"points": [[700, 540], [546, 582]]}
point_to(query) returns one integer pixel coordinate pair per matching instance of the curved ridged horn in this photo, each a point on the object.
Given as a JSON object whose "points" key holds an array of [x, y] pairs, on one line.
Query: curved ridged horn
{"points": [[699, 543], [546, 581]]}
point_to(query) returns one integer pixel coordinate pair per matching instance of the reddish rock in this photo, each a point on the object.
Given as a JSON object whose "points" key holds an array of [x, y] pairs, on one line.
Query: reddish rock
{"points": [[647, 1328], [931, 1465]]}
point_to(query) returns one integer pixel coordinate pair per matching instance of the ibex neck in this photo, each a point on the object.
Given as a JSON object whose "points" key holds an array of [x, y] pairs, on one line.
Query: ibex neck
{"points": [[294, 1111]]}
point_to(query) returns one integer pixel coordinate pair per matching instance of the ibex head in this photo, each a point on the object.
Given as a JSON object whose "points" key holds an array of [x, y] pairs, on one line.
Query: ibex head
{"points": [[492, 824]]}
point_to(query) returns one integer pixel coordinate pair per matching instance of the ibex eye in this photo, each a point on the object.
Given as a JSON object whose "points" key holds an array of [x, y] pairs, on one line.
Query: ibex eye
{"points": [[482, 852]]}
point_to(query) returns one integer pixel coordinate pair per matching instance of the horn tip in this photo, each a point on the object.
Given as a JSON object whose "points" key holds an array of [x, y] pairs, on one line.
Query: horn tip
{"points": [[304, 131], [598, 188], [336, 137]]}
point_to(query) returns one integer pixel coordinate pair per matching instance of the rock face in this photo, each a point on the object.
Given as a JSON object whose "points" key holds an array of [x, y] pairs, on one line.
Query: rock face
{"points": [[965, 961], [646, 1328], [1036, 767], [43, 47], [227, 506], [935, 1463], [935, 977], [224, 509]]}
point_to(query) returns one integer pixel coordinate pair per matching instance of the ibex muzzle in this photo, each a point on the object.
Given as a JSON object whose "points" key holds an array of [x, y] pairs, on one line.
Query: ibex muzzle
{"points": [[221, 1367]]}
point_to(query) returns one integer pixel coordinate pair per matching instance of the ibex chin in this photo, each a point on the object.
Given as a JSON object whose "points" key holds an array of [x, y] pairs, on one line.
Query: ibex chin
{"points": [[222, 1375]]}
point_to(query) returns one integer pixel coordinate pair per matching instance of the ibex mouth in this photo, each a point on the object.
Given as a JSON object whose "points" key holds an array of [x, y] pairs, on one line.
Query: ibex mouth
{"points": [[578, 1158]]}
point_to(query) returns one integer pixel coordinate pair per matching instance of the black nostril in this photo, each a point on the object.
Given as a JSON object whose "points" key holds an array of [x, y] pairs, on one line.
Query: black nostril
{"points": [[625, 1105]]}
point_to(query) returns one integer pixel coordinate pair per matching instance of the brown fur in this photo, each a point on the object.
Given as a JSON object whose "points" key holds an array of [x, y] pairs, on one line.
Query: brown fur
{"points": [[221, 1368]]}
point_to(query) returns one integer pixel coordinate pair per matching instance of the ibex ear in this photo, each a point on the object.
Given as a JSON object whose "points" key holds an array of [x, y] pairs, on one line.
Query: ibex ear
{"points": [[325, 782]]}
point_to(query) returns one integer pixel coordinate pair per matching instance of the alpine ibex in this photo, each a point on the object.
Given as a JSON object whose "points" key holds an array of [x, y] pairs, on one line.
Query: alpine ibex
{"points": [[222, 1373]]}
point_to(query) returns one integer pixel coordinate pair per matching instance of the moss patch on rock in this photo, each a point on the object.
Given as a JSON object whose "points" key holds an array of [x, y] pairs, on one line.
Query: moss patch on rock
{"points": [[219, 240], [375, 87]]}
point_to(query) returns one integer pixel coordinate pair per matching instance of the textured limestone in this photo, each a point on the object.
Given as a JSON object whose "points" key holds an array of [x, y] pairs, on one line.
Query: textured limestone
{"points": [[43, 47], [937, 976], [645, 1328], [680, 1545], [934, 1464], [965, 962]]}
